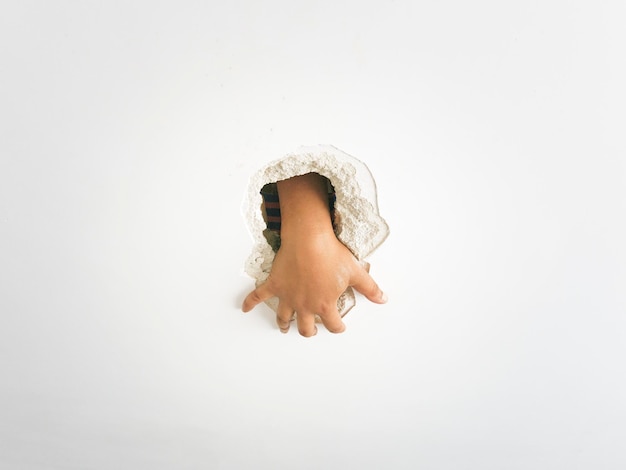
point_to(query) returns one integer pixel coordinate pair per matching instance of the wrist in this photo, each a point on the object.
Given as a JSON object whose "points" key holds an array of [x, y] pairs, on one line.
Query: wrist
{"points": [[304, 208], [306, 233]]}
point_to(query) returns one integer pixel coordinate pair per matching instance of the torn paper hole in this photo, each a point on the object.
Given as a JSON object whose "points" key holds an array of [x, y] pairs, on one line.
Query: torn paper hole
{"points": [[358, 224]]}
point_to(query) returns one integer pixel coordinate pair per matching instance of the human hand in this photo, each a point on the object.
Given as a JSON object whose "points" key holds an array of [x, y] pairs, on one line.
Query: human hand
{"points": [[308, 278], [312, 268]]}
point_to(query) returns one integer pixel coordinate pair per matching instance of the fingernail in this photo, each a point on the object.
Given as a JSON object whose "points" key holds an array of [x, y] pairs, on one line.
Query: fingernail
{"points": [[384, 298]]}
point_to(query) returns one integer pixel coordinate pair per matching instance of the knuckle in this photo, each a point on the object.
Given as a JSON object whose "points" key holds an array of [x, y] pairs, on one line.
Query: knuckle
{"points": [[327, 308], [283, 317], [282, 320]]}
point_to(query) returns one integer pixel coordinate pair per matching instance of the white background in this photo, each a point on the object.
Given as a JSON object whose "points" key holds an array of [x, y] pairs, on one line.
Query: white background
{"points": [[495, 131]]}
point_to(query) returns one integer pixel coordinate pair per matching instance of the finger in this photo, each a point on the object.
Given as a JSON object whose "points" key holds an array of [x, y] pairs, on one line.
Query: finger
{"points": [[365, 284], [306, 324], [258, 295], [284, 314], [332, 320]]}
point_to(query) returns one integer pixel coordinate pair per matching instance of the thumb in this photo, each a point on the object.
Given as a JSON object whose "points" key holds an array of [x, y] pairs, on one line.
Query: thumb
{"points": [[258, 295]]}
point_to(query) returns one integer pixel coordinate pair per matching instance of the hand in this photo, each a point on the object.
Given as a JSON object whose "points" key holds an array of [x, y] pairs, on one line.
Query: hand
{"points": [[312, 268], [308, 278]]}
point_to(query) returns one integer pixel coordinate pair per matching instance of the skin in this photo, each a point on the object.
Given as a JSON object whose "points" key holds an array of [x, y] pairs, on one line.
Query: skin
{"points": [[312, 268]]}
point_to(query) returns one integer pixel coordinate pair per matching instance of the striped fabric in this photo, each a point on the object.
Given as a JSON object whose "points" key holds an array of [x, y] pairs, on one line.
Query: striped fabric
{"points": [[272, 210]]}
